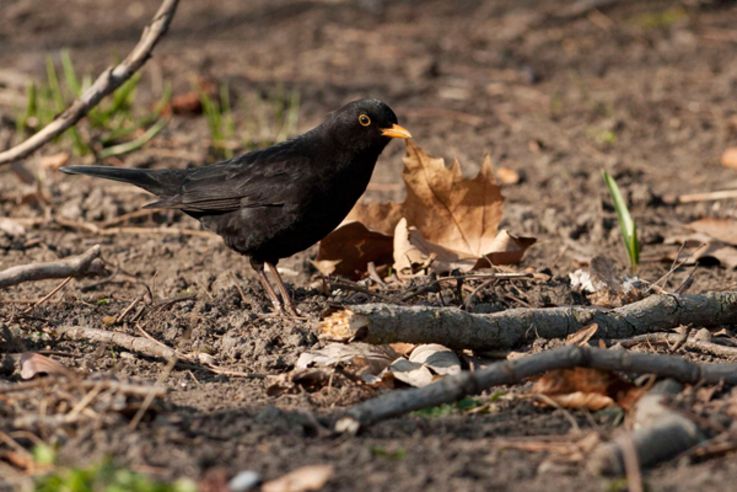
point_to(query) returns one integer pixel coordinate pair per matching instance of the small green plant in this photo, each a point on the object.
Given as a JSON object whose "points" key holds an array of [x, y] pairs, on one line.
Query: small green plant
{"points": [[626, 224], [106, 477], [446, 409], [110, 125], [391, 455], [271, 119]]}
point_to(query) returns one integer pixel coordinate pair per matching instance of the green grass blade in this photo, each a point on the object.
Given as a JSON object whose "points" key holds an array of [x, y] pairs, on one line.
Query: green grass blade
{"points": [[135, 144], [55, 87], [627, 225], [70, 75]]}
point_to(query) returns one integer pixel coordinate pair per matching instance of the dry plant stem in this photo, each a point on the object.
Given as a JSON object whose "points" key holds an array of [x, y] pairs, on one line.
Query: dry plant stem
{"points": [[671, 339], [107, 82], [75, 266], [134, 344], [660, 434], [149, 347], [453, 388], [127, 388], [454, 328], [114, 231]]}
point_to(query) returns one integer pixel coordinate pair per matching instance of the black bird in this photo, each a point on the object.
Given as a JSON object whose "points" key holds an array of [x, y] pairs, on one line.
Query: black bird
{"points": [[271, 203]]}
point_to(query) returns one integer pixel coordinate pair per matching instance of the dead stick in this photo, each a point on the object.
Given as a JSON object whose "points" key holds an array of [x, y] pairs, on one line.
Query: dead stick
{"points": [[134, 344], [73, 266], [660, 434], [673, 338], [454, 388], [454, 328], [107, 82]]}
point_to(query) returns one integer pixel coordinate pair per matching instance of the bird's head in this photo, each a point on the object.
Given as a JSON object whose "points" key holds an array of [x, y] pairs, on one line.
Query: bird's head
{"points": [[366, 123]]}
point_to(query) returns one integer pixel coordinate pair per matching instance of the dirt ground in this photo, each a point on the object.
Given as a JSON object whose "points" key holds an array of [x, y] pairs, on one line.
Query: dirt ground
{"points": [[645, 90]]}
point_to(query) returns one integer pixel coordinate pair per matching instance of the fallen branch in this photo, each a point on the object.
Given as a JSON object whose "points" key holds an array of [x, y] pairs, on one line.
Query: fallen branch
{"points": [[454, 388], [107, 82], [454, 328], [148, 347], [88, 263], [660, 434]]}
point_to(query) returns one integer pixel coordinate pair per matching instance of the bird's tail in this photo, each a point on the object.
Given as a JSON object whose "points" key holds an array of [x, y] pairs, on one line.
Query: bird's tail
{"points": [[159, 182]]}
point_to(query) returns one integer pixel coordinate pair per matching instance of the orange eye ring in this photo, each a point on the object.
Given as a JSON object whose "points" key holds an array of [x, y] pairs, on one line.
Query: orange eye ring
{"points": [[364, 119]]}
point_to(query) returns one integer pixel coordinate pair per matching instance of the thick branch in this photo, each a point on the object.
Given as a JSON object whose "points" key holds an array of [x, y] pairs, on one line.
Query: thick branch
{"points": [[452, 327], [107, 82], [660, 434], [453, 388], [87, 263]]}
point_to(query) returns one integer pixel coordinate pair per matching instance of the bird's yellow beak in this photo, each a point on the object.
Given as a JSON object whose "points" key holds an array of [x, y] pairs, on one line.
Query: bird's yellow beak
{"points": [[396, 131]]}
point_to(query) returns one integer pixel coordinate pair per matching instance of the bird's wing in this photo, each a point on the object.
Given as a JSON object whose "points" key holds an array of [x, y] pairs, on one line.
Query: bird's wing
{"points": [[257, 179]]}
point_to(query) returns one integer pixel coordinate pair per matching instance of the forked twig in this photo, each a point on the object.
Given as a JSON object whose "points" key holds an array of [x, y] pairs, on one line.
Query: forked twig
{"points": [[107, 82]]}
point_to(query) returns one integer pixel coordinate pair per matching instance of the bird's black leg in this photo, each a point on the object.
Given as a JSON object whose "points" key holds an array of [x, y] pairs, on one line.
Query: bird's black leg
{"points": [[286, 298], [259, 267]]}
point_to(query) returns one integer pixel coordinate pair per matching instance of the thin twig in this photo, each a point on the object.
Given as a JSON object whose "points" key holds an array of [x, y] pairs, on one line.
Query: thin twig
{"points": [[107, 82], [47, 296], [74, 266]]}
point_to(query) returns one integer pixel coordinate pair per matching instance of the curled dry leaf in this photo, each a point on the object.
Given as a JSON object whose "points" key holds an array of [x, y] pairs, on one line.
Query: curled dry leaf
{"points": [[448, 219], [439, 358], [425, 364], [358, 358], [724, 230], [348, 250], [582, 387], [412, 373], [32, 365], [303, 479], [699, 247]]}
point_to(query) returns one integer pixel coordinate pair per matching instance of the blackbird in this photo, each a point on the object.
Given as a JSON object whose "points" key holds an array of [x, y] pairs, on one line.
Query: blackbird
{"points": [[271, 203]]}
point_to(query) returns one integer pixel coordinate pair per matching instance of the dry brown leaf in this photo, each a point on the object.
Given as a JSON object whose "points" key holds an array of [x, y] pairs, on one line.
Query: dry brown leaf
{"points": [[460, 214], [704, 247], [32, 365], [303, 479], [412, 252], [579, 399], [349, 248], [729, 158], [724, 230], [450, 221], [582, 336], [583, 387]]}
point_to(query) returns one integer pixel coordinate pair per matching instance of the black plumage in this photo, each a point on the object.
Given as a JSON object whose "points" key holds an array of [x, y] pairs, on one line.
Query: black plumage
{"points": [[272, 203]]}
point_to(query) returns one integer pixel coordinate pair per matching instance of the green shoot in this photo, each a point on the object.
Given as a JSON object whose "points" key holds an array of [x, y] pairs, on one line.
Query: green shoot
{"points": [[106, 477], [108, 126], [626, 224]]}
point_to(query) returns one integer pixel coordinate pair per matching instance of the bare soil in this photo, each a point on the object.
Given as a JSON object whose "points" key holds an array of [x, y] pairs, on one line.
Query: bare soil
{"points": [[645, 90]]}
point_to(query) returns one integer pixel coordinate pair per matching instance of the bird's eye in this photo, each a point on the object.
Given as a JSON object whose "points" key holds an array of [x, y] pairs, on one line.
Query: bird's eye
{"points": [[364, 119]]}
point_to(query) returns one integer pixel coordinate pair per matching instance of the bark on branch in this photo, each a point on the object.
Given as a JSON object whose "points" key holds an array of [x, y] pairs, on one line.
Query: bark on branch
{"points": [[107, 82], [453, 388], [454, 328], [660, 434], [88, 263]]}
